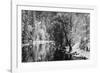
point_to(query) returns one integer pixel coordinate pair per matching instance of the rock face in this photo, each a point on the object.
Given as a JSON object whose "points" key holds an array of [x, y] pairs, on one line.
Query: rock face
{"points": [[53, 36]]}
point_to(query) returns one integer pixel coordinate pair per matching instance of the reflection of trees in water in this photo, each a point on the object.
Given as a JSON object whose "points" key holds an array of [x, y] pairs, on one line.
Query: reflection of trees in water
{"points": [[50, 36]]}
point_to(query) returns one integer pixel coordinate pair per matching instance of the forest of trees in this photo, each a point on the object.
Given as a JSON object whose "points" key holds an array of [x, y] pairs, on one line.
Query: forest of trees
{"points": [[53, 36]]}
